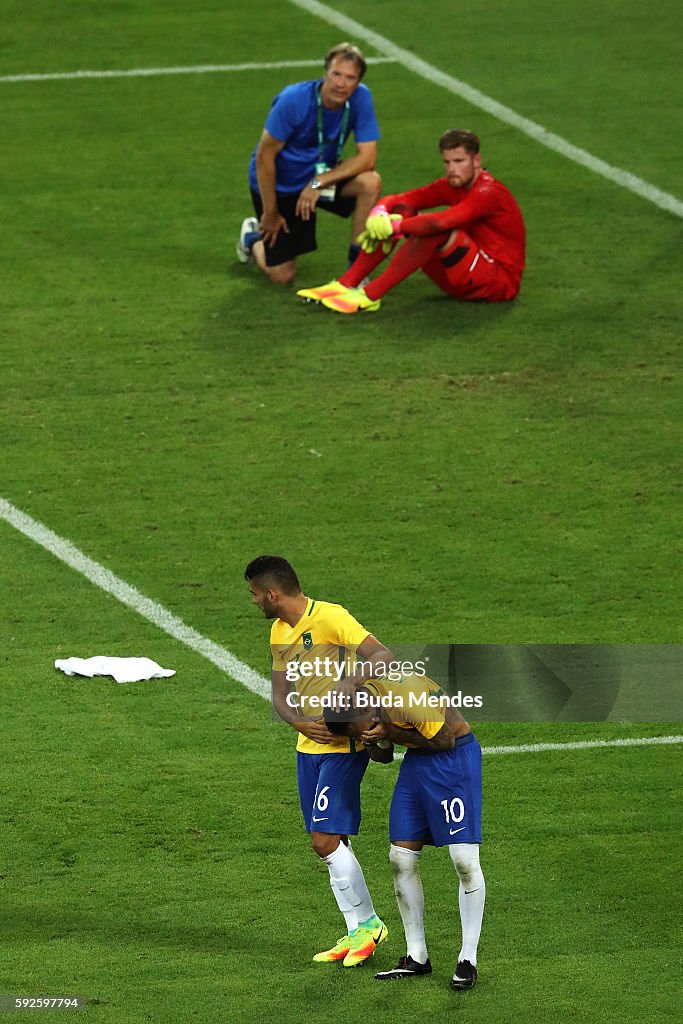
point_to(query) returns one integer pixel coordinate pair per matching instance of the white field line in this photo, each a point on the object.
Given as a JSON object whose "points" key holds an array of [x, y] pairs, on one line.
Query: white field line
{"points": [[631, 741], [395, 54], [123, 592], [217, 655], [200, 69], [479, 99]]}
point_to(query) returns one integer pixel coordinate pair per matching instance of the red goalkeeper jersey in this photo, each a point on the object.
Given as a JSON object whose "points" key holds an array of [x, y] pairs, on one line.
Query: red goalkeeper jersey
{"points": [[487, 212]]}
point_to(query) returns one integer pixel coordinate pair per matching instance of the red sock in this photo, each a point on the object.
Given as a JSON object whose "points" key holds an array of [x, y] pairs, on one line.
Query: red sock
{"points": [[363, 265], [413, 254]]}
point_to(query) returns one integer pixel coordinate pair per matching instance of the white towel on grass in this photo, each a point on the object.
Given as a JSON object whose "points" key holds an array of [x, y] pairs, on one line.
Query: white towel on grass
{"points": [[124, 670]]}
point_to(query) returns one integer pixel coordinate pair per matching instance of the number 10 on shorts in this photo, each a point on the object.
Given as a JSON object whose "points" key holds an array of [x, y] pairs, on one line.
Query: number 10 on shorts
{"points": [[455, 811]]}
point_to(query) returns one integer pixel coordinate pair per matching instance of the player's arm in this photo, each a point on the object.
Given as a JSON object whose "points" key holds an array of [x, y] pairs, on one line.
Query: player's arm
{"points": [[288, 712], [272, 221], [373, 657], [423, 198], [455, 721], [364, 159], [376, 657], [379, 749], [383, 730], [390, 214], [475, 207], [382, 752]]}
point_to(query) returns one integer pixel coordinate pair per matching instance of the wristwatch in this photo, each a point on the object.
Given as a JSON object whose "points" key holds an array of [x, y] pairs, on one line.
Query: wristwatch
{"points": [[316, 184]]}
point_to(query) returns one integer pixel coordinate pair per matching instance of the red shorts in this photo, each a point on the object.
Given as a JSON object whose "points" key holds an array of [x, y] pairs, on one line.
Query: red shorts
{"points": [[464, 271]]}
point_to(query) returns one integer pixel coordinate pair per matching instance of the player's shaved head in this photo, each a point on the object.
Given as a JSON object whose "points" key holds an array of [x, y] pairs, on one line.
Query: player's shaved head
{"points": [[345, 716], [454, 138], [273, 571]]}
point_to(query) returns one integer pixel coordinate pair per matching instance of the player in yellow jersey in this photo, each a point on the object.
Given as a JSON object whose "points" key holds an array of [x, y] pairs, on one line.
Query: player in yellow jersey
{"points": [[312, 643], [436, 801]]}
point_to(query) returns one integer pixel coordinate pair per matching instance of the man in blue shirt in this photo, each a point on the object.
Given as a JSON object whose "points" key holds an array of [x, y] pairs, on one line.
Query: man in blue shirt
{"points": [[297, 166]]}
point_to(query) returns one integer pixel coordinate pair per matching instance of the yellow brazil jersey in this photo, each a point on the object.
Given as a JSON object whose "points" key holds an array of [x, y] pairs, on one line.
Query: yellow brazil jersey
{"points": [[316, 654], [411, 702]]}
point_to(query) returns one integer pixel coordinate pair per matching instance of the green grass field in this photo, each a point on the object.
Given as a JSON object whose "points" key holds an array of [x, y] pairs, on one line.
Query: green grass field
{"points": [[449, 473]]}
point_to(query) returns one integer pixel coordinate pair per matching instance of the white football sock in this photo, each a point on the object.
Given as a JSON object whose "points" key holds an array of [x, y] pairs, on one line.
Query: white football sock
{"points": [[361, 886], [471, 896], [348, 884], [405, 865], [350, 916]]}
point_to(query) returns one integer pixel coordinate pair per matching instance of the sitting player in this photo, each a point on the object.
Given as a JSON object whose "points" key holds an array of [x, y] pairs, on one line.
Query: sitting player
{"points": [[473, 250]]}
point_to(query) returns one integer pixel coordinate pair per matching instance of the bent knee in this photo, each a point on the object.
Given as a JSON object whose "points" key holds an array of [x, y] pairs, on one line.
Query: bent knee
{"points": [[282, 274], [369, 183], [324, 844]]}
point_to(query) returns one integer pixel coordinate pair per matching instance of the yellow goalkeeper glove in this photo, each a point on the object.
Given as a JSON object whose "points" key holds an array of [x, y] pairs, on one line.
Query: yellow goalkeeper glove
{"points": [[367, 244], [381, 224], [370, 245]]}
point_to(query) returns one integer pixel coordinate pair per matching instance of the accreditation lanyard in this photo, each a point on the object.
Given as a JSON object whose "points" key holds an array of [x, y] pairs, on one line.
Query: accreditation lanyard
{"points": [[321, 133]]}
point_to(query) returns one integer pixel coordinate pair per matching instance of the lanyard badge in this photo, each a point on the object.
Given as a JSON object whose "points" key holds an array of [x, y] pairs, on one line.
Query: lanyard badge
{"points": [[320, 166]]}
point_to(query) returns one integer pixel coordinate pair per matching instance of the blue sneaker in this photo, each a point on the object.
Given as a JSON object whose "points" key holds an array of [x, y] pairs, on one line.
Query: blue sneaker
{"points": [[249, 233]]}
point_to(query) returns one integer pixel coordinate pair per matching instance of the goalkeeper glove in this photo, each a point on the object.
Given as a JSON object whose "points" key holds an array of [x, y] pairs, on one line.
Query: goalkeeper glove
{"points": [[367, 244], [370, 245], [381, 224]]}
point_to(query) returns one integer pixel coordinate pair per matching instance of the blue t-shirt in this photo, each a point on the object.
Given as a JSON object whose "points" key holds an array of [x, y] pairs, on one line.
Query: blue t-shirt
{"points": [[293, 120]]}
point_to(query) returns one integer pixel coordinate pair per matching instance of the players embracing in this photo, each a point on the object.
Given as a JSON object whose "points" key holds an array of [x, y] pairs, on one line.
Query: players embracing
{"points": [[321, 654]]}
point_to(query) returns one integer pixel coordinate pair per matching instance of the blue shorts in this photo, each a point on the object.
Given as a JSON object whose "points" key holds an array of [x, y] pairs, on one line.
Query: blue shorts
{"points": [[437, 799], [329, 791]]}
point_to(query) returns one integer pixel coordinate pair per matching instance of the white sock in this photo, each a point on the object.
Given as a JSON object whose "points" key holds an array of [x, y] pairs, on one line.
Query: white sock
{"points": [[350, 916], [405, 865], [361, 886], [471, 896], [348, 884]]}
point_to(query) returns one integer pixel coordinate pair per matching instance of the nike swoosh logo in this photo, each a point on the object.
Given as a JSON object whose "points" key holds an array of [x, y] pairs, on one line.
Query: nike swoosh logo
{"points": [[319, 819], [454, 831], [469, 891], [380, 933]]}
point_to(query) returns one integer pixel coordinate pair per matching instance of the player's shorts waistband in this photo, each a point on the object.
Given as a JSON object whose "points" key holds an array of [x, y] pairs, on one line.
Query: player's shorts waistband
{"points": [[469, 737]]}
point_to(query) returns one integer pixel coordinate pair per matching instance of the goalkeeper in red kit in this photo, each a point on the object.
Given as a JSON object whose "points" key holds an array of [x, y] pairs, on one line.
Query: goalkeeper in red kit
{"points": [[473, 250]]}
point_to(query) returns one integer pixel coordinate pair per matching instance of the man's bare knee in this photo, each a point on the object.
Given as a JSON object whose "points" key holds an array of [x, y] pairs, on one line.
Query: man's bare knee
{"points": [[324, 844], [369, 185], [284, 273]]}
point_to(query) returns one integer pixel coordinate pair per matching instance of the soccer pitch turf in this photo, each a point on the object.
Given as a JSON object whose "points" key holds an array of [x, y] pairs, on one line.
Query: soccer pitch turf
{"points": [[448, 473]]}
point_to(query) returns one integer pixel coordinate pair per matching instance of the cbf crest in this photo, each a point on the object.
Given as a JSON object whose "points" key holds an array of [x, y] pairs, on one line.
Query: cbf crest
{"points": [[307, 641]]}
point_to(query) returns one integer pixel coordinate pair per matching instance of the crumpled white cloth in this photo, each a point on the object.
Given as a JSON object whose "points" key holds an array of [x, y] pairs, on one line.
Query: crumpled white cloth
{"points": [[124, 670]]}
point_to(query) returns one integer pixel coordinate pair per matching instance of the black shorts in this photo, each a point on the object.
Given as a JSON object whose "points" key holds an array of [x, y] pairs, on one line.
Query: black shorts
{"points": [[301, 237]]}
